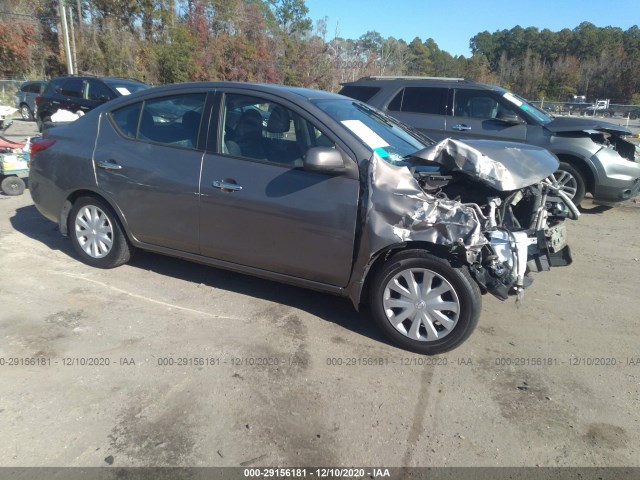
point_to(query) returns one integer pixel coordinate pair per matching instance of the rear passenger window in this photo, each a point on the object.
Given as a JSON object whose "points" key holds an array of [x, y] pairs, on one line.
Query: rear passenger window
{"points": [[396, 103], [173, 120], [423, 100]]}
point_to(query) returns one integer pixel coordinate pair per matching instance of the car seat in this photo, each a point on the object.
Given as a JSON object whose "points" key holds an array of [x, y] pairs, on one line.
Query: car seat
{"points": [[248, 135]]}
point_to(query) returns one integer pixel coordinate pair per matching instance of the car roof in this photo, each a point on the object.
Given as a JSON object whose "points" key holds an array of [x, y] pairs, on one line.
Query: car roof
{"points": [[414, 81], [92, 77], [291, 93]]}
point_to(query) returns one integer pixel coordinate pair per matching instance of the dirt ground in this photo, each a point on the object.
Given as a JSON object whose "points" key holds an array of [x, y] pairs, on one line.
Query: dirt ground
{"points": [[163, 362]]}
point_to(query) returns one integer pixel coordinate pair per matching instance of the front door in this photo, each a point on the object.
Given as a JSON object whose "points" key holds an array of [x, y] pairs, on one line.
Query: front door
{"points": [[478, 114], [261, 208]]}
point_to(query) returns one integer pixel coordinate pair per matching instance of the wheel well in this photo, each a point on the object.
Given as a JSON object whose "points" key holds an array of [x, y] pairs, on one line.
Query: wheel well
{"points": [[582, 167], [68, 205], [387, 253]]}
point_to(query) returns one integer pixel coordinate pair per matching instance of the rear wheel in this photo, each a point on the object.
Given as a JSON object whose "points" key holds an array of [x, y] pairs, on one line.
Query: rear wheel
{"points": [[571, 182], [423, 304], [12, 186], [96, 234], [42, 122], [26, 112]]}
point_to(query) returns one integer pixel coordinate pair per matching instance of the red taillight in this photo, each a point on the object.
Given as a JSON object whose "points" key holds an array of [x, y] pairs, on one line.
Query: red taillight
{"points": [[37, 99], [41, 145]]}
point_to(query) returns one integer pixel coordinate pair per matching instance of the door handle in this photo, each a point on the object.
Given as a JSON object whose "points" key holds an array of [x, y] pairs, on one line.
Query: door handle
{"points": [[109, 165], [461, 127], [229, 186]]}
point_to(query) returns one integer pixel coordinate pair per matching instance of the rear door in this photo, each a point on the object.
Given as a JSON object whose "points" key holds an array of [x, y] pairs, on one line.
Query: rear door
{"points": [[478, 113], [423, 108], [261, 208], [148, 160]]}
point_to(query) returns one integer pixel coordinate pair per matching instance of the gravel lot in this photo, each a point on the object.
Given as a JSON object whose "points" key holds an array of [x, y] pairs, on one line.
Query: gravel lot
{"points": [[292, 377]]}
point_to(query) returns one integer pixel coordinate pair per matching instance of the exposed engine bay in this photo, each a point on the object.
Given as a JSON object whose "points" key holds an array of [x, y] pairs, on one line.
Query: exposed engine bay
{"points": [[493, 206], [524, 228]]}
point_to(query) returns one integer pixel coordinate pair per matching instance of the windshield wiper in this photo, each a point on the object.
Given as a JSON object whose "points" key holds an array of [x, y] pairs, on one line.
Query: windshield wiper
{"points": [[374, 113]]}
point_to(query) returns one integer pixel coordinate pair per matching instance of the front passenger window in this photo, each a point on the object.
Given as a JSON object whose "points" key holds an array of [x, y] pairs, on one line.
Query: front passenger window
{"points": [[262, 130], [73, 88], [476, 104]]}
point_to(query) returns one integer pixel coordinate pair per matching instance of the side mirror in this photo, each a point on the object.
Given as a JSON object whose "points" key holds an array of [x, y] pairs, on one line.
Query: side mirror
{"points": [[323, 159], [509, 117]]}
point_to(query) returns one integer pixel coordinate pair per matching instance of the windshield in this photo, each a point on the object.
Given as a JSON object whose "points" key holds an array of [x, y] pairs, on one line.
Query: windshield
{"points": [[126, 88], [380, 133], [522, 104]]}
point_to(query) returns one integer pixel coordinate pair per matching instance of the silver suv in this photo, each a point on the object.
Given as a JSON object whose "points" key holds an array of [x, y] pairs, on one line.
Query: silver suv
{"points": [[594, 157], [26, 98]]}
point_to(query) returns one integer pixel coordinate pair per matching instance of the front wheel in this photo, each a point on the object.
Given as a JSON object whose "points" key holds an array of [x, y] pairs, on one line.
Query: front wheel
{"points": [[96, 234], [423, 304], [571, 182]]}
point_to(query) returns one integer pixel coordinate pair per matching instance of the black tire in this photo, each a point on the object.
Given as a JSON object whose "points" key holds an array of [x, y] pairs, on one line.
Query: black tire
{"points": [[42, 122], [466, 290], [12, 186], [580, 185], [26, 112], [104, 256]]}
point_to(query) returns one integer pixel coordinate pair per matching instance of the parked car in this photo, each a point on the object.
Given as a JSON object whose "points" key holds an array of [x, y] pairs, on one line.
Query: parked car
{"points": [[81, 94], [330, 194], [594, 156], [26, 98]]}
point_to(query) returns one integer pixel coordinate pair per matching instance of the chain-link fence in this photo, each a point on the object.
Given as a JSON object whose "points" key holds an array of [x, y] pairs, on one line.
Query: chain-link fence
{"points": [[587, 109], [8, 90]]}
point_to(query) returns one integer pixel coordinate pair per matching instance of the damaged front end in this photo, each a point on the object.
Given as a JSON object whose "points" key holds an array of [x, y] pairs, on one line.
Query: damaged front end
{"points": [[493, 206]]}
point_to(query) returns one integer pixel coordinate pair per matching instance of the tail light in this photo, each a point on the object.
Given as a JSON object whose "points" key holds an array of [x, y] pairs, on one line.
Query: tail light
{"points": [[41, 145], [37, 99]]}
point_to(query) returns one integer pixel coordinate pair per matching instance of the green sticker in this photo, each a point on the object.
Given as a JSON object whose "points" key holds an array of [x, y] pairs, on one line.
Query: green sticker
{"points": [[382, 152], [525, 107]]}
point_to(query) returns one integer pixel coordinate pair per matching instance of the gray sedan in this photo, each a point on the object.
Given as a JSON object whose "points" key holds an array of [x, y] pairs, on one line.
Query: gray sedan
{"points": [[309, 188]]}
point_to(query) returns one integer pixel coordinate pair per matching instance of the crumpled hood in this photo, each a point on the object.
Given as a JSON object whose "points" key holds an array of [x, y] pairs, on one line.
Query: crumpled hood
{"points": [[567, 124], [504, 166]]}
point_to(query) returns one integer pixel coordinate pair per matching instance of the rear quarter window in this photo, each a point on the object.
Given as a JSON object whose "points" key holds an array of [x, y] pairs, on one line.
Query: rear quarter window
{"points": [[359, 93], [127, 119]]}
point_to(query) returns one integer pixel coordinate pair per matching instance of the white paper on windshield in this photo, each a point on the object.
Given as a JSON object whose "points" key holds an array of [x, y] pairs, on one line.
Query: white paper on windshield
{"points": [[368, 136], [123, 91], [509, 96]]}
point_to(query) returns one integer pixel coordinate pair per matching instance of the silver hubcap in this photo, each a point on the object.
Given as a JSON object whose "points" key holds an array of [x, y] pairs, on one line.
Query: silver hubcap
{"points": [[421, 304], [566, 182], [25, 113], [94, 231]]}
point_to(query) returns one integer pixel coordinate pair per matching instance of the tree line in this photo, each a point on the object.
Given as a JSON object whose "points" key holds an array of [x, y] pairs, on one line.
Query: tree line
{"points": [[275, 41]]}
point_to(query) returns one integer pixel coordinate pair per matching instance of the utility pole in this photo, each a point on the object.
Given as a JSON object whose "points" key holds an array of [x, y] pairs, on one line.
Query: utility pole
{"points": [[73, 41], [65, 33]]}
